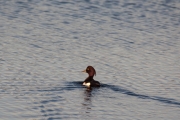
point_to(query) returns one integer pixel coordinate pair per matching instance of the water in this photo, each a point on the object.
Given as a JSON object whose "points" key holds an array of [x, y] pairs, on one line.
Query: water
{"points": [[133, 45]]}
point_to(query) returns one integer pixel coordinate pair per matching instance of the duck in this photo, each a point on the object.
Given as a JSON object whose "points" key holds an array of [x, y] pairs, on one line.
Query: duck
{"points": [[89, 81]]}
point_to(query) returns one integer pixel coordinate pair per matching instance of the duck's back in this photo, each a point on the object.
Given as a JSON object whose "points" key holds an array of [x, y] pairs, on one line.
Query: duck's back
{"points": [[95, 84]]}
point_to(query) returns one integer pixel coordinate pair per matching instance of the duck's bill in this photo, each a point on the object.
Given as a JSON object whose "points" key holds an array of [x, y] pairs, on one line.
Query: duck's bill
{"points": [[84, 71]]}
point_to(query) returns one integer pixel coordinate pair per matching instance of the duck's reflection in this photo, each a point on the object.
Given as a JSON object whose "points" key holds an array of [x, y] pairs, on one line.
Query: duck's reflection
{"points": [[87, 103]]}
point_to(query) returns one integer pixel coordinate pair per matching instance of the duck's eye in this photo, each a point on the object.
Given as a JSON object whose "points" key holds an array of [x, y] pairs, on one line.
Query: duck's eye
{"points": [[87, 68]]}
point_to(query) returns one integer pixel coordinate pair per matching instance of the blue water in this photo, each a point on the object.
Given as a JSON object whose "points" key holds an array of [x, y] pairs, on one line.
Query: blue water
{"points": [[133, 45]]}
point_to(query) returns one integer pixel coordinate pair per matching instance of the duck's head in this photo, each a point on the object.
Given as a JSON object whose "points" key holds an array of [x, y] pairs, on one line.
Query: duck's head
{"points": [[90, 70]]}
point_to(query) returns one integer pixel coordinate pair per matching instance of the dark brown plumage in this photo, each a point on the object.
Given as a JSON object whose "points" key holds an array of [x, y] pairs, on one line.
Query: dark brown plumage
{"points": [[89, 81]]}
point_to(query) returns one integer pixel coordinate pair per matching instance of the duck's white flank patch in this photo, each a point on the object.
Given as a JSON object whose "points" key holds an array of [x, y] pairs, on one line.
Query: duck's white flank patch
{"points": [[87, 84]]}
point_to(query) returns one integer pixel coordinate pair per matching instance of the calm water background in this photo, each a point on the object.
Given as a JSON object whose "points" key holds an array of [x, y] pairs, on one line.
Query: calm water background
{"points": [[133, 45]]}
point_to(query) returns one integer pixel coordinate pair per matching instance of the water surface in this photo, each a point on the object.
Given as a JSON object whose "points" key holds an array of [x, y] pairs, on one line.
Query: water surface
{"points": [[133, 45]]}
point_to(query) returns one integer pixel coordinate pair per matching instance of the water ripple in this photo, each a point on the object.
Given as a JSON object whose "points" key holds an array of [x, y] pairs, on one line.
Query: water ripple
{"points": [[157, 98], [133, 45]]}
